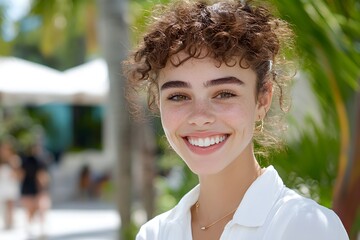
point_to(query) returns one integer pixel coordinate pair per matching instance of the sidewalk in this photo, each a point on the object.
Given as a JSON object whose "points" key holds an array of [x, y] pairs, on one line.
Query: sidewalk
{"points": [[70, 221]]}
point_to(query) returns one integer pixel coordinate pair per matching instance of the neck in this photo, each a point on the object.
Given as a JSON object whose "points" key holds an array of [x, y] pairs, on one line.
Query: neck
{"points": [[228, 186]]}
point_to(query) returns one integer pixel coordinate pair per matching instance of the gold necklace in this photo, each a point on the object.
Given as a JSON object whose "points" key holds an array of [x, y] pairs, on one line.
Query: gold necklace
{"points": [[197, 205]]}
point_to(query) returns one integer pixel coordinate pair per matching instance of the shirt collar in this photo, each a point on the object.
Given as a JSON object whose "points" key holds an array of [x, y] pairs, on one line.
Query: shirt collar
{"points": [[259, 199], [183, 207], [180, 217]]}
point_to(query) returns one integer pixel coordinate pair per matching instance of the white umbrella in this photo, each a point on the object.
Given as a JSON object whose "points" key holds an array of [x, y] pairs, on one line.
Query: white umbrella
{"points": [[89, 82], [25, 82]]}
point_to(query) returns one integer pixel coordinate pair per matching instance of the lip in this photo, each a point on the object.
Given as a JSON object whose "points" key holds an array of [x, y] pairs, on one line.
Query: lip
{"points": [[205, 150]]}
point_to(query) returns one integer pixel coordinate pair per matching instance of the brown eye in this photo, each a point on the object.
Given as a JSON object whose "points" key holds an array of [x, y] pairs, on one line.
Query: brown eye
{"points": [[225, 94], [178, 97]]}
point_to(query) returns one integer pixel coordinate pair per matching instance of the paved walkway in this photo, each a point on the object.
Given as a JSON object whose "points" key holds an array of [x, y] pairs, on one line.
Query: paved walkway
{"points": [[70, 221]]}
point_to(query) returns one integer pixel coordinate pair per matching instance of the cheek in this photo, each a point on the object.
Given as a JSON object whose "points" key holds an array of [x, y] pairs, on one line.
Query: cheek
{"points": [[242, 114], [170, 118]]}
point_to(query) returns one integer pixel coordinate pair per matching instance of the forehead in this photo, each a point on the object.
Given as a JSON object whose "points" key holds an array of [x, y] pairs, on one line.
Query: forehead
{"points": [[202, 69]]}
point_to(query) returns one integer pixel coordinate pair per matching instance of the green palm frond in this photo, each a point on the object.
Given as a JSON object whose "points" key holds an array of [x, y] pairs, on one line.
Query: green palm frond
{"points": [[328, 39], [60, 21]]}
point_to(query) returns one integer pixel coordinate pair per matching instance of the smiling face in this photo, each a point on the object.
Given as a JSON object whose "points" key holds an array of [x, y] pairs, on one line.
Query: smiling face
{"points": [[208, 113]]}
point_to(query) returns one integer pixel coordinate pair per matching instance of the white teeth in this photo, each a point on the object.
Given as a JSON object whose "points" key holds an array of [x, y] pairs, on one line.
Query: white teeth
{"points": [[206, 142]]}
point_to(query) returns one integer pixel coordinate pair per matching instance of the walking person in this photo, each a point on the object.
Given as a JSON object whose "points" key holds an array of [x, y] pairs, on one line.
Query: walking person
{"points": [[9, 180], [212, 68], [34, 184], [43, 179]]}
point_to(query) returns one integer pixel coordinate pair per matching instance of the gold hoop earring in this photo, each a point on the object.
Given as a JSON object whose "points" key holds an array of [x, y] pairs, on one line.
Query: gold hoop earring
{"points": [[259, 125]]}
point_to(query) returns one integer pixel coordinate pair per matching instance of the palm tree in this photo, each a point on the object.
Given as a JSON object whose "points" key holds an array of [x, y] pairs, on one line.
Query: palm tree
{"points": [[114, 40]]}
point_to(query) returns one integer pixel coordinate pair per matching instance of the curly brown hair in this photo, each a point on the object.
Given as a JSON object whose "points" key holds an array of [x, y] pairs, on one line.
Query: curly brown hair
{"points": [[231, 32]]}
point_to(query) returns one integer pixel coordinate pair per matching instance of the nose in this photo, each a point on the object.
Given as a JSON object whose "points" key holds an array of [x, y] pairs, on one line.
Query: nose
{"points": [[201, 115]]}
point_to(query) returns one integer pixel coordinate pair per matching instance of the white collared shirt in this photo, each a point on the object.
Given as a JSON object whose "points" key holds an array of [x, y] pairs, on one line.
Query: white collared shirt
{"points": [[268, 211]]}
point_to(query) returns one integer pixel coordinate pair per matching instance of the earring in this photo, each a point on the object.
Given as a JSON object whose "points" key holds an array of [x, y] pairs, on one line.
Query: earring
{"points": [[259, 125]]}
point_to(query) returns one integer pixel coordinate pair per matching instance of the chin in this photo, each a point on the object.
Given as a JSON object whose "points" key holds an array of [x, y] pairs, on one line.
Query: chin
{"points": [[205, 169]]}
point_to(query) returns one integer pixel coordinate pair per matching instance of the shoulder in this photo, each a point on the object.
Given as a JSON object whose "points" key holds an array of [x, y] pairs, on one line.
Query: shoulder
{"points": [[173, 224], [303, 218], [151, 229]]}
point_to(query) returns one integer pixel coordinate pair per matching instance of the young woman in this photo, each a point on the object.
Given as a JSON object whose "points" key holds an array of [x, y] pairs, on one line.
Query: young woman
{"points": [[212, 68]]}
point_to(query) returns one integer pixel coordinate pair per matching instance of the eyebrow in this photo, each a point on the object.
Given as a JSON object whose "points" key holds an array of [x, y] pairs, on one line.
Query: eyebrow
{"points": [[175, 84], [225, 80], [210, 83]]}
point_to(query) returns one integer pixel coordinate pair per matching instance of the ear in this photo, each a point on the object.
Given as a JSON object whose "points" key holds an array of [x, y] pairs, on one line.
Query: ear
{"points": [[264, 100]]}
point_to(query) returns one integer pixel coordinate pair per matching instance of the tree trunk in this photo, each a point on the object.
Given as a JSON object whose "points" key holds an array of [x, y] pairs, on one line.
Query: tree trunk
{"points": [[114, 41], [347, 199], [148, 168]]}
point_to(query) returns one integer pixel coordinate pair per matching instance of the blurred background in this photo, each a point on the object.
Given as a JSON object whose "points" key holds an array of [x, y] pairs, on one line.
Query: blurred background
{"points": [[62, 94]]}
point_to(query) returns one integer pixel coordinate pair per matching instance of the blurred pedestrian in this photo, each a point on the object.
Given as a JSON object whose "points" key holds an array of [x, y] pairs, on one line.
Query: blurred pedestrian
{"points": [[34, 187], [85, 182], [43, 178], [9, 180]]}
